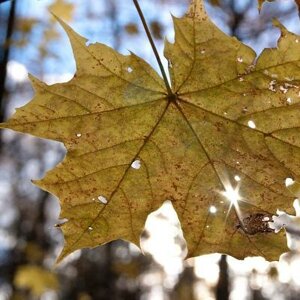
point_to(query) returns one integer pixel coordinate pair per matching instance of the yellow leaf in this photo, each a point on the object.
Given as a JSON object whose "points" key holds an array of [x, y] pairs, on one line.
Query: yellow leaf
{"points": [[215, 2], [156, 29], [131, 269], [51, 34], [294, 188], [132, 28], [220, 147], [25, 25], [35, 278], [63, 9], [261, 2]]}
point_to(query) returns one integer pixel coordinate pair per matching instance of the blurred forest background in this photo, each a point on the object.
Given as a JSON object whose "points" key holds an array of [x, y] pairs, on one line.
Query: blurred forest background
{"points": [[30, 239]]}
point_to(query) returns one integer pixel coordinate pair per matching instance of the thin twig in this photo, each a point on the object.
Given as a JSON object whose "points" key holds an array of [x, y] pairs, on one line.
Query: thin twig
{"points": [[138, 8]]}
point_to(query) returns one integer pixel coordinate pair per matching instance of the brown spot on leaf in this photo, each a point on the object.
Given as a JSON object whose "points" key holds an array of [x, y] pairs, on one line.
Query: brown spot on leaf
{"points": [[256, 223]]}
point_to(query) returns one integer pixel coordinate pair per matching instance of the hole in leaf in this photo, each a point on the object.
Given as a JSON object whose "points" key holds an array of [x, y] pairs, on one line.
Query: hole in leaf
{"points": [[289, 78], [102, 199], [283, 89], [251, 124], [129, 69], [237, 178], [289, 181], [164, 229], [213, 209], [296, 206], [136, 164], [244, 110]]}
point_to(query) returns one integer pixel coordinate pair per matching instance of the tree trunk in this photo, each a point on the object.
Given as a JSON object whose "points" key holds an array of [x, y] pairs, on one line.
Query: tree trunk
{"points": [[4, 56], [222, 288]]}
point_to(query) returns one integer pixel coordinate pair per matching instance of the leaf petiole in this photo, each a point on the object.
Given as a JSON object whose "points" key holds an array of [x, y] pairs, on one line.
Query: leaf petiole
{"points": [[141, 15]]}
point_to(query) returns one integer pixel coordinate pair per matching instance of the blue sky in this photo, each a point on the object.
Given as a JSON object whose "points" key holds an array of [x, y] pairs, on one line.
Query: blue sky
{"points": [[98, 29]]}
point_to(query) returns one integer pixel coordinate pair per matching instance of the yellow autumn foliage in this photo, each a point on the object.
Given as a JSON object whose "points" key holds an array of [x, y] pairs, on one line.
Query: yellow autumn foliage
{"points": [[220, 146]]}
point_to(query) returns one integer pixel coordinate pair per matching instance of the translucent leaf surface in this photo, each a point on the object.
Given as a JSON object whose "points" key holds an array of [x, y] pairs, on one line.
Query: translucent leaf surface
{"points": [[220, 148]]}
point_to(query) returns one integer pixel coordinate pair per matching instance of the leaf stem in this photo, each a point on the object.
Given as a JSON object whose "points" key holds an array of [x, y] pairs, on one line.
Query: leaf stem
{"points": [[141, 15]]}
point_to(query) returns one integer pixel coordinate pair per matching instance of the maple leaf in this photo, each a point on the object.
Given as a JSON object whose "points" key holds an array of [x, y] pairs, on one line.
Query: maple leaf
{"points": [[219, 145]]}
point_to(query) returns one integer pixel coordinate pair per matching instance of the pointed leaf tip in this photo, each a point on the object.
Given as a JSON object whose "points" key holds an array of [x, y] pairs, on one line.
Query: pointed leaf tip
{"points": [[60, 21], [197, 10], [261, 2], [61, 257], [279, 25]]}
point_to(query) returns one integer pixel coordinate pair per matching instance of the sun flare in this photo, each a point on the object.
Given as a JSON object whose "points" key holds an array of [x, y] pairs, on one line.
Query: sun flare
{"points": [[232, 195]]}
